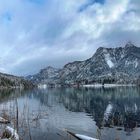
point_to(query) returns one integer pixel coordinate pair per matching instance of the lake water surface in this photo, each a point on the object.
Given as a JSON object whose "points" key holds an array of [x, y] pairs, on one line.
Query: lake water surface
{"points": [[47, 114]]}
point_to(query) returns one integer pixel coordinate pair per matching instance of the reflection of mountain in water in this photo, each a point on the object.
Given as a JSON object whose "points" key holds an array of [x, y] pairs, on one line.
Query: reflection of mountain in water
{"points": [[125, 111], [108, 107]]}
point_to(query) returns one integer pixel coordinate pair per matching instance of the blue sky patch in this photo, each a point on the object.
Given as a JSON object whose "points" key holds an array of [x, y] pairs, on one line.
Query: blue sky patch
{"points": [[37, 1], [6, 17], [89, 3]]}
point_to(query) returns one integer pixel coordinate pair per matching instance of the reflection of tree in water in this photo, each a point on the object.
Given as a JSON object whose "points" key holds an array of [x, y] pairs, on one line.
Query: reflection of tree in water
{"points": [[125, 101], [95, 101], [9, 94], [97, 107], [125, 109]]}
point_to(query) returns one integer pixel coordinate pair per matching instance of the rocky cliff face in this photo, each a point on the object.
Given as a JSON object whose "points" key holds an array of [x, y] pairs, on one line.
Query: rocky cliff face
{"points": [[46, 75], [111, 65]]}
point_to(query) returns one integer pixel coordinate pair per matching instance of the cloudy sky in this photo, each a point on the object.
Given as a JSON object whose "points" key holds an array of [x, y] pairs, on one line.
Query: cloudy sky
{"points": [[38, 33]]}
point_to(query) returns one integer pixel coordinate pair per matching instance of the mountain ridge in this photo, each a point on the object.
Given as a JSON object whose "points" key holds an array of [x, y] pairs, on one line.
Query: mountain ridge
{"points": [[11, 81], [112, 65]]}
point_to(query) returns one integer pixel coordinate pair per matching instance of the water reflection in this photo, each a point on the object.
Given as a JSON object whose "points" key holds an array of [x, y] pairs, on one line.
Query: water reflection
{"points": [[125, 103], [124, 109], [111, 108]]}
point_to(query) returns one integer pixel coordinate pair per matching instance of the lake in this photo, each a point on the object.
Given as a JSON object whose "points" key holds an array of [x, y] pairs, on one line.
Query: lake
{"points": [[47, 114]]}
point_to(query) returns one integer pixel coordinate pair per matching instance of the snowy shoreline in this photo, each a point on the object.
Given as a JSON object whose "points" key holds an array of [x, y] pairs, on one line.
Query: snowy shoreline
{"points": [[108, 85], [44, 86]]}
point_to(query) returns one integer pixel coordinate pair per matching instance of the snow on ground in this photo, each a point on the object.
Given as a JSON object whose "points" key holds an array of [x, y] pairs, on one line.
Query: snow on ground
{"points": [[107, 85], [83, 137]]}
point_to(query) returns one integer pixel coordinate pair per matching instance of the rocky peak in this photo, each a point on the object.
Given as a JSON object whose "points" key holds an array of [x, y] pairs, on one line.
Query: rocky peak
{"points": [[121, 64], [48, 69], [100, 50], [129, 45]]}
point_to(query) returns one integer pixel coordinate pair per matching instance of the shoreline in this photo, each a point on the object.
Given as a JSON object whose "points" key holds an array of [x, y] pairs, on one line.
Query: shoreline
{"points": [[109, 85], [44, 86]]}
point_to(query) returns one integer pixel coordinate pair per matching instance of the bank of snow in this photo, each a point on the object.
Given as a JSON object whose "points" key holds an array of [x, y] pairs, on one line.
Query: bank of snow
{"points": [[108, 85]]}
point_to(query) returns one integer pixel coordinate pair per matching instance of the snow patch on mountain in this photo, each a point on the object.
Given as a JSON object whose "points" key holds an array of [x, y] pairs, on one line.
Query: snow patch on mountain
{"points": [[136, 63], [109, 61], [108, 65], [133, 63]]}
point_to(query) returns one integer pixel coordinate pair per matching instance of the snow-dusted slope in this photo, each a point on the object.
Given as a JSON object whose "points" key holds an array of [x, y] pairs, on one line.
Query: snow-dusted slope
{"points": [[118, 65], [46, 75]]}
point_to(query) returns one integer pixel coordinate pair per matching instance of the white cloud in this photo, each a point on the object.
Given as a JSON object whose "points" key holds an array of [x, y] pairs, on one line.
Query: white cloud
{"points": [[34, 35]]}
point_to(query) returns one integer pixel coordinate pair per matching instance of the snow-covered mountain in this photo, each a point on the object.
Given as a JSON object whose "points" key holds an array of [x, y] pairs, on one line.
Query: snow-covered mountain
{"points": [[108, 65], [46, 75]]}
